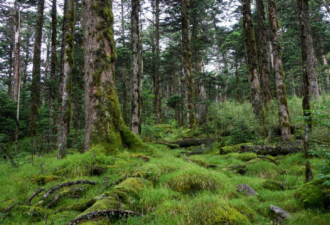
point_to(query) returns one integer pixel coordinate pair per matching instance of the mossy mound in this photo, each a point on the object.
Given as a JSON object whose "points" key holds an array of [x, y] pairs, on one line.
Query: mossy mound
{"points": [[132, 186], [44, 179], [313, 195], [272, 185], [230, 149], [192, 181]]}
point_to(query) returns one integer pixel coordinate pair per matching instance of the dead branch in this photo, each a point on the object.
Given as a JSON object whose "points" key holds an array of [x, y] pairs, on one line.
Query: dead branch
{"points": [[28, 201]]}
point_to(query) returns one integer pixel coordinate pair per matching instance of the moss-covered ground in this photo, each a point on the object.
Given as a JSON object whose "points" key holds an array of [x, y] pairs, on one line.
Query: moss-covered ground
{"points": [[163, 185]]}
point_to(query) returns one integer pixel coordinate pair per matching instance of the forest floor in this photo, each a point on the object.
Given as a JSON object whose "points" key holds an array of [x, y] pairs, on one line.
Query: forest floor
{"points": [[166, 186]]}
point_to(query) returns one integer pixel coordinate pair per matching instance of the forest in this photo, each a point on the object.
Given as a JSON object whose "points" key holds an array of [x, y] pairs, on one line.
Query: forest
{"points": [[164, 112]]}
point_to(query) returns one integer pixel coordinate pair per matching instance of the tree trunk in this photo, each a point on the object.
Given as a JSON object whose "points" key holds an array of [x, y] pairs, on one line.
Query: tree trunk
{"points": [[66, 113], [35, 86], [104, 125], [263, 54], [10, 71], [307, 46], [250, 47], [17, 27], [141, 71], [124, 66], [135, 99], [191, 120], [326, 70], [157, 75], [52, 91], [283, 110]]}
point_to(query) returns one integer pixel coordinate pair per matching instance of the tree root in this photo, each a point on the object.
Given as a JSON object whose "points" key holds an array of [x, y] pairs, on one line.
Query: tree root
{"points": [[28, 201], [105, 213], [51, 190]]}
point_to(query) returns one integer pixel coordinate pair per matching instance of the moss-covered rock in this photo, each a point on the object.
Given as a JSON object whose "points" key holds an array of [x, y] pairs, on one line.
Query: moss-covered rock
{"points": [[314, 195], [231, 149], [132, 186], [272, 185], [229, 215]]}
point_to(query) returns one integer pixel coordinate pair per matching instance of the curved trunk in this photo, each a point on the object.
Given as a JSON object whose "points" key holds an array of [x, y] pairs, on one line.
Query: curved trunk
{"points": [[283, 110]]}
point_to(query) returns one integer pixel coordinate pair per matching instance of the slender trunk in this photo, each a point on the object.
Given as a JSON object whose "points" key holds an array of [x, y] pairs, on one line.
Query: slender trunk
{"points": [[135, 89], [17, 26], [124, 66], [52, 91], [66, 113], [263, 54], [141, 68], [271, 54], [226, 72], [326, 70], [157, 75], [35, 86], [10, 71], [190, 108], [238, 94], [201, 94], [283, 110], [45, 78], [308, 53], [250, 47]]}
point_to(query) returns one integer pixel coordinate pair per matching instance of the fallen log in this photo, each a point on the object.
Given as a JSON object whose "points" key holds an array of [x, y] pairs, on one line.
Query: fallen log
{"points": [[192, 142], [51, 190], [105, 213], [281, 149], [13, 163], [28, 201]]}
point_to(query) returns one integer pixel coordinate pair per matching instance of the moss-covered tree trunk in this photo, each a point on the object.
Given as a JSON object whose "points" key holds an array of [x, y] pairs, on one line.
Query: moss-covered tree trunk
{"points": [[104, 125], [17, 28], [283, 110], [190, 107], [66, 113], [263, 54], [36, 73], [307, 47], [135, 79], [53, 65], [252, 62], [124, 71]]}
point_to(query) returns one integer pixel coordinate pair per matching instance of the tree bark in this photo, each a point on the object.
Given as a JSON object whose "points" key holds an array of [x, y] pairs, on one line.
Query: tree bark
{"points": [[283, 110], [35, 86], [68, 63], [124, 66], [104, 125], [326, 70], [135, 36], [52, 91], [250, 47], [307, 46], [263, 54], [17, 27], [157, 90], [191, 120]]}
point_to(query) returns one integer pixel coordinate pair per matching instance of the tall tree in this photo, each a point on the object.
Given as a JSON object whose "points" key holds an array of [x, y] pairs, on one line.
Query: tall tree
{"points": [[53, 66], [17, 26], [251, 55], [104, 125], [190, 107], [263, 54], [135, 79], [307, 46], [35, 86], [65, 115], [283, 110], [124, 71]]}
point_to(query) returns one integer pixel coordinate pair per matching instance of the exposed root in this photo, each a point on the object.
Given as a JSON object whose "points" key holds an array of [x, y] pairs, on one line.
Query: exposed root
{"points": [[28, 201]]}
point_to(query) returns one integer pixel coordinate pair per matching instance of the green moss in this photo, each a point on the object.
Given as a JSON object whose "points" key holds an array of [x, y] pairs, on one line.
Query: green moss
{"points": [[227, 215], [313, 195], [272, 185], [133, 186], [230, 149], [43, 179], [102, 204]]}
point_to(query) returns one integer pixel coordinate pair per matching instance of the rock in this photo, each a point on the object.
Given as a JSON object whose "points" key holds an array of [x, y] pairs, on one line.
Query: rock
{"points": [[247, 189], [282, 214]]}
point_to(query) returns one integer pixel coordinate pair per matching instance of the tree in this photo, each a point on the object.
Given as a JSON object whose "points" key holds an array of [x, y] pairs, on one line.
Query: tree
{"points": [[263, 54], [36, 73], [185, 4], [307, 47], [251, 55], [66, 113], [282, 102], [135, 79], [104, 125]]}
